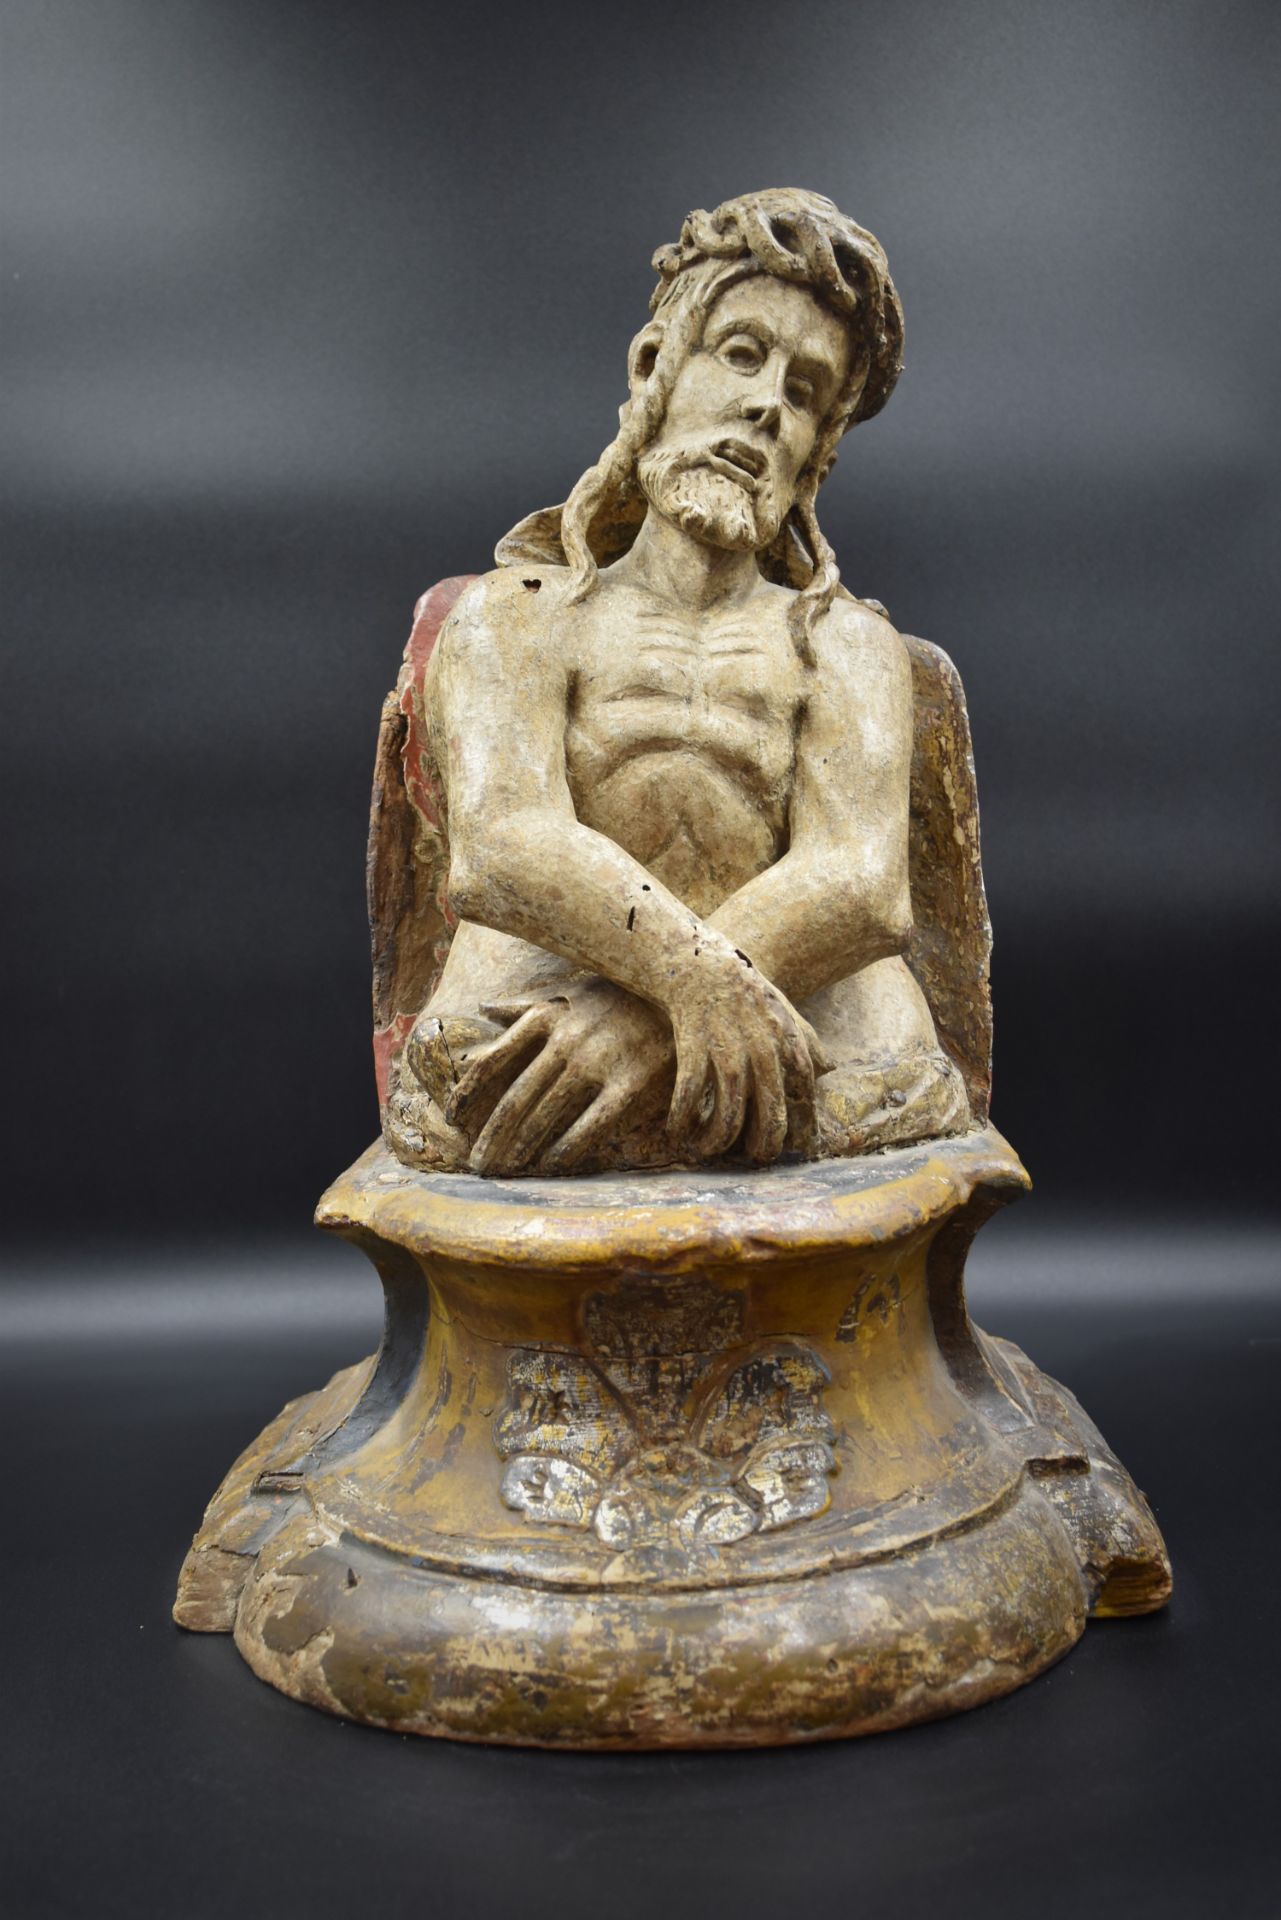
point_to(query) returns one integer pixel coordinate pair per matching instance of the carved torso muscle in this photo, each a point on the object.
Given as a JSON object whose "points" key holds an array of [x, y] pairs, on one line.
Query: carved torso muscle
{"points": [[681, 748]]}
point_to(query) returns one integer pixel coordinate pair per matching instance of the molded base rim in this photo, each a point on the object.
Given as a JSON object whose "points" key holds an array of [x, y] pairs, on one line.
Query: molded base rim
{"points": [[370, 1637]]}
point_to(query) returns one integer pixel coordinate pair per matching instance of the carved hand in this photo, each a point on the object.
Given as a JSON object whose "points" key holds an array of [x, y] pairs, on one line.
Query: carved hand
{"points": [[576, 1069], [571, 1072], [744, 1057]]}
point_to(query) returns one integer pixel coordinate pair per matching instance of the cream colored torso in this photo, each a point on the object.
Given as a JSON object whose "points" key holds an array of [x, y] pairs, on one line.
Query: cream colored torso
{"points": [[680, 745]]}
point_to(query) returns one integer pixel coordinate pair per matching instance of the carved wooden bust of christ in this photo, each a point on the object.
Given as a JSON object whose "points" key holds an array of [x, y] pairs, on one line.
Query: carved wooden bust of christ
{"points": [[673, 760]]}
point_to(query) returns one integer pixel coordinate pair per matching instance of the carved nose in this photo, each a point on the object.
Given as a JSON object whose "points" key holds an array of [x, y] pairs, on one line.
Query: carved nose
{"points": [[763, 411]]}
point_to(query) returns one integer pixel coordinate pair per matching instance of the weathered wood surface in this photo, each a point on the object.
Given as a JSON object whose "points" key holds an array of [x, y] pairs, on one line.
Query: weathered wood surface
{"points": [[407, 867], [411, 924], [951, 946], [675, 888], [676, 754], [673, 1459]]}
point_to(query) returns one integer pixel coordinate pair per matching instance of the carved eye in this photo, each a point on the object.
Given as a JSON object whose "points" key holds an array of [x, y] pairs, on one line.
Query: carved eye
{"points": [[742, 354], [800, 391]]}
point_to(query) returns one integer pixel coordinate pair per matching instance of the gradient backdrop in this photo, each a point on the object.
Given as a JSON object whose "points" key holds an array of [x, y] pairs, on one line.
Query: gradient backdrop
{"points": [[307, 304], [303, 306]]}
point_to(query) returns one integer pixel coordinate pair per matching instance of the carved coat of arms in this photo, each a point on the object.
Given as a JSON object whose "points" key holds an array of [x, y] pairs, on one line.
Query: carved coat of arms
{"points": [[655, 1438]]}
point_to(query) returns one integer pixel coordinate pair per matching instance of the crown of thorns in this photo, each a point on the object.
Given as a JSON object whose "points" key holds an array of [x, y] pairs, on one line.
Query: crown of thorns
{"points": [[804, 238]]}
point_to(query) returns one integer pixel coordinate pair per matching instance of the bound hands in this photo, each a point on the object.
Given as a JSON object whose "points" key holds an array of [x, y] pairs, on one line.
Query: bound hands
{"points": [[730, 1059]]}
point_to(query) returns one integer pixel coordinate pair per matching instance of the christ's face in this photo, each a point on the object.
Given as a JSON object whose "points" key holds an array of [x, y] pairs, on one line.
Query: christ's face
{"points": [[745, 412]]}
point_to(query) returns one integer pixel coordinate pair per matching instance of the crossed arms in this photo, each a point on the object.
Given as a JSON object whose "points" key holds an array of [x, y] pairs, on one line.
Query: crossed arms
{"points": [[670, 1008]]}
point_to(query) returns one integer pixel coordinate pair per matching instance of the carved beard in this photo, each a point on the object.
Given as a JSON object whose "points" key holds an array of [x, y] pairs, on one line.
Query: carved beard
{"points": [[708, 505]]}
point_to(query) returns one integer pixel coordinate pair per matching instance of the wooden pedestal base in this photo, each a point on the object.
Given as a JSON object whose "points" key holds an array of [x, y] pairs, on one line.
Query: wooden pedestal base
{"points": [[684, 1459]]}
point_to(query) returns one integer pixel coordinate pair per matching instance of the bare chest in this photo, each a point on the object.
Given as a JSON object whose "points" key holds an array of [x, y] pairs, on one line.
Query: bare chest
{"points": [[728, 689], [681, 745]]}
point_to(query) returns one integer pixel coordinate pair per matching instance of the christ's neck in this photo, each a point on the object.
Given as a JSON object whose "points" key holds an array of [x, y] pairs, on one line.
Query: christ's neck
{"points": [[677, 566]]}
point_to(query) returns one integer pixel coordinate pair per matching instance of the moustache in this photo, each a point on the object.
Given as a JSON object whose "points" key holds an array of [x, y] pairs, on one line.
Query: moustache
{"points": [[733, 460]]}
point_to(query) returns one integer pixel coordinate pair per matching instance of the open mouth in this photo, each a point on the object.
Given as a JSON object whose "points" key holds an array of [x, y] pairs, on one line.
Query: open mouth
{"points": [[737, 460]]}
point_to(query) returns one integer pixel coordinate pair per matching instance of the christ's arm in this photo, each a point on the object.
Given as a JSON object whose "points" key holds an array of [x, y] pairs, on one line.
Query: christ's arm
{"points": [[522, 862], [838, 898]]}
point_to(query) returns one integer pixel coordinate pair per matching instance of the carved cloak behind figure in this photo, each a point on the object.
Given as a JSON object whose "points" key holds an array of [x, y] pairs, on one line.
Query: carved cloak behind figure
{"points": [[407, 873], [951, 947], [407, 866]]}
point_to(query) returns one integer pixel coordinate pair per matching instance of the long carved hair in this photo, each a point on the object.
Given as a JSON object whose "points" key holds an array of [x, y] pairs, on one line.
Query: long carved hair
{"points": [[797, 236]]}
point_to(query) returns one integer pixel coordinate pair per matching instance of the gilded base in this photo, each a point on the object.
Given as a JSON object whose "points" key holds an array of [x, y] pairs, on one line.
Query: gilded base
{"points": [[684, 1459]]}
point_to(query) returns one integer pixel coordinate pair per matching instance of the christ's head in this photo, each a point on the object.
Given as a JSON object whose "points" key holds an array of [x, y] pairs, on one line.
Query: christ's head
{"points": [[744, 413], [775, 328]]}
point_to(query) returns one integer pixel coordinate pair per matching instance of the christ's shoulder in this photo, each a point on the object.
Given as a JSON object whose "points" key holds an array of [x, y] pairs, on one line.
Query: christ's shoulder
{"points": [[525, 592], [501, 637], [856, 644], [505, 613]]}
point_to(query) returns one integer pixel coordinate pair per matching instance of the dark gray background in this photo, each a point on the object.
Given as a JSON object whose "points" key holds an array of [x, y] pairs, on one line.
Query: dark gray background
{"points": [[304, 305]]}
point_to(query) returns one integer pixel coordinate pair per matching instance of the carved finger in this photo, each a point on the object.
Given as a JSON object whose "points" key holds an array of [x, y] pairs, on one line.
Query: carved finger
{"points": [[792, 1050], [559, 1107], [768, 1129], [605, 1120], [687, 1097], [725, 1124], [492, 1068], [501, 1145], [822, 1060], [802, 1122], [507, 1012]]}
